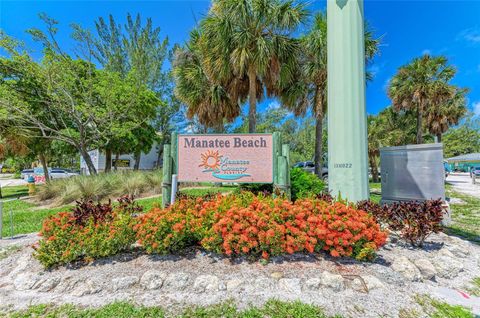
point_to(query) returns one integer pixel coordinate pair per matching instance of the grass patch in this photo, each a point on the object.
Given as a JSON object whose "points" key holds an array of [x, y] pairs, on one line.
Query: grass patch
{"points": [[437, 309], [14, 192], [465, 216], [475, 287], [28, 217], [272, 309]]}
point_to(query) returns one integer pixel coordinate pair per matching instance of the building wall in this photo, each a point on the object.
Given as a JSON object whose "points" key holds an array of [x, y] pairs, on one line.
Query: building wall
{"points": [[148, 160]]}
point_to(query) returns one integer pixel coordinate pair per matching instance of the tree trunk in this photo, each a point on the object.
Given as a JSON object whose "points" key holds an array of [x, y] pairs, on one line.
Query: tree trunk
{"points": [[252, 99], [88, 161], [373, 165], [43, 161], [439, 137], [419, 127], [138, 156], [108, 160], [117, 157], [319, 145]]}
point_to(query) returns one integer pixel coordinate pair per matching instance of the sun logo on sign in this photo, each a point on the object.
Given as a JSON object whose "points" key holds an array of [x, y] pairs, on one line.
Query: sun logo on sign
{"points": [[210, 160]]}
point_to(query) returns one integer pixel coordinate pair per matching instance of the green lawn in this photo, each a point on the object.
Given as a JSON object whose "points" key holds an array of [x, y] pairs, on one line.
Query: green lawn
{"points": [[28, 218], [465, 216], [272, 309]]}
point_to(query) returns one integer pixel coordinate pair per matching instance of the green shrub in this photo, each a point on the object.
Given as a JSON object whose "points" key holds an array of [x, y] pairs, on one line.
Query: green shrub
{"points": [[305, 184], [91, 232], [246, 224]]}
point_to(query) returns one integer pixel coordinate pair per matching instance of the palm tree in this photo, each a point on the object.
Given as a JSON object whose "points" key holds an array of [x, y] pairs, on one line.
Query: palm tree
{"points": [[209, 100], [251, 40], [308, 89], [441, 116], [422, 85]]}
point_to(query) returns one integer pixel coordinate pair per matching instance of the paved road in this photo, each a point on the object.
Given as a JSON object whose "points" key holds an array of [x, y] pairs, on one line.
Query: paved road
{"points": [[462, 183], [11, 182]]}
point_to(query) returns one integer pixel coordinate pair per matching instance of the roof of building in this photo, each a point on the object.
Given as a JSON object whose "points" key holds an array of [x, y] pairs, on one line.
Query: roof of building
{"points": [[468, 157]]}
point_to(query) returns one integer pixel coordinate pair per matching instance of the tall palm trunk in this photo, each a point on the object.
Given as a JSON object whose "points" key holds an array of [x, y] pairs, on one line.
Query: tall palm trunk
{"points": [[44, 164], [439, 137], [419, 126], [318, 132], [252, 99]]}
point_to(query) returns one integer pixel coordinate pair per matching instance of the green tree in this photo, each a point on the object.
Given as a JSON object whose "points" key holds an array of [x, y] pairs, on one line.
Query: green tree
{"points": [[462, 140], [388, 128], [422, 86], [308, 91], [209, 100], [440, 117], [136, 49], [251, 39], [66, 99]]}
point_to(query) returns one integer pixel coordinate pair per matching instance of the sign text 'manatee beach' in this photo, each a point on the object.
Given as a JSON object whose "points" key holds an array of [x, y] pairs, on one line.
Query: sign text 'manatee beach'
{"points": [[236, 142], [225, 157]]}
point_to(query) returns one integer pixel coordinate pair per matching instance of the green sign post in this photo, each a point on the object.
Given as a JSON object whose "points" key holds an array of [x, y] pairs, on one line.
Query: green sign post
{"points": [[347, 122]]}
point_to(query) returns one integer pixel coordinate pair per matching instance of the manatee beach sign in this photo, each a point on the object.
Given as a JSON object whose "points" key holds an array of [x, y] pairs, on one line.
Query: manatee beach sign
{"points": [[225, 158]]}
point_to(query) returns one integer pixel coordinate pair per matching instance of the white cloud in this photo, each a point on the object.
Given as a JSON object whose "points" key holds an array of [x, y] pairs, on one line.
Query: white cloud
{"points": [[470, 35], [476, 108]]}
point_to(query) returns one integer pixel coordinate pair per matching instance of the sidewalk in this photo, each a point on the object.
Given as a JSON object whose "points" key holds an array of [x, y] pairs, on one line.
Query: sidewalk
{"points": [[462, 183]]}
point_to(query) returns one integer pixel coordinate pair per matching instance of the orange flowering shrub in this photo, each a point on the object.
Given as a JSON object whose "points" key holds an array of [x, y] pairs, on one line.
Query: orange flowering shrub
{"points": [[246, 224], [64, 239]]}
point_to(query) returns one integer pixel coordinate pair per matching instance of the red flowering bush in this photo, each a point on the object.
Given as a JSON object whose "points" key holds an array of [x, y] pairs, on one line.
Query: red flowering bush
{"points": [[70, 236], [246, 224]]}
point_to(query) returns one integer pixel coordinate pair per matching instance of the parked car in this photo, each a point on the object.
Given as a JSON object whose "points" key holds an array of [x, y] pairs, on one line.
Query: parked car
{"points": [[58, 173], [475, 171], [309, 166], [54, 173], [26, 173]]}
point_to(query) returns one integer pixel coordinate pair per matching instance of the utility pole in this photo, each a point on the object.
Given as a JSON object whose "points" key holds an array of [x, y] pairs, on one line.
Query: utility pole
{"points": [[347, 117]]}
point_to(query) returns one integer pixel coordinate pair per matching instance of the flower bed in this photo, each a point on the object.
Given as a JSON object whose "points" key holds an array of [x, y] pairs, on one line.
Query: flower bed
{"points": [[240, 224], [89, 232], [260, 225]]}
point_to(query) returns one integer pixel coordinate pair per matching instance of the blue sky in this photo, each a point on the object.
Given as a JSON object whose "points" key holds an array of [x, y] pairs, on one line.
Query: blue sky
{"points": [[409, 29]]}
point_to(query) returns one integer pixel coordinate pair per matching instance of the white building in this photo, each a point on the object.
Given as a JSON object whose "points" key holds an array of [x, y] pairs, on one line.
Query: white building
{"points": [[148, 161]]}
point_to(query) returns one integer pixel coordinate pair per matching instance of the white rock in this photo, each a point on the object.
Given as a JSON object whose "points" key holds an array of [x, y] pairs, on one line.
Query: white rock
{"points": [[333, 281], [426, 268], [86, 288], [445, 252], [47, 284], [124, 282], [176, 281], [313, 283], [152, 279], [263, 283], [206, 283], [447, 267], [26, 281], [371, 283], [459, 250], [406, 268], [291, 285], [234, 284]]}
